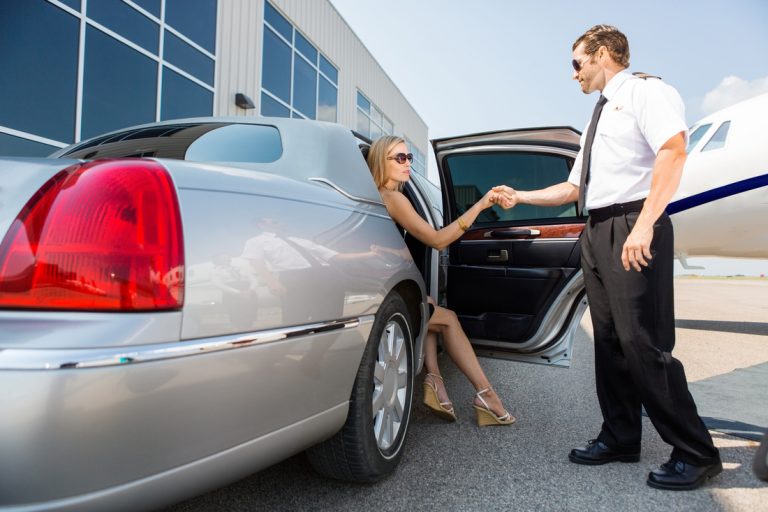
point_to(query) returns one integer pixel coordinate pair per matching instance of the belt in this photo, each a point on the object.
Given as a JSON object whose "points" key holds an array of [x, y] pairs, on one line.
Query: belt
{"points": [[614, 210]]}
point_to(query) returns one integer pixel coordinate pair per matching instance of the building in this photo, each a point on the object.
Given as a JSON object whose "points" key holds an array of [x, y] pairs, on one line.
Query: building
{"points": [[77, 68]]}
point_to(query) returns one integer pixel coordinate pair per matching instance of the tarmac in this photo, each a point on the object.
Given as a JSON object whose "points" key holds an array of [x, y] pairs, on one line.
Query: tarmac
{"points": [[722, 339]]}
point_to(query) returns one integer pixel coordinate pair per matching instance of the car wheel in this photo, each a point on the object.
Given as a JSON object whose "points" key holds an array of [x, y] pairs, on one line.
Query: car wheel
{"points": [[370, 444], [760, 465]]}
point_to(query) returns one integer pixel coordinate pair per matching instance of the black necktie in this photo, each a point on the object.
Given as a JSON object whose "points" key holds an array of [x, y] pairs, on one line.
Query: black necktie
{"points": [[585, 157]]}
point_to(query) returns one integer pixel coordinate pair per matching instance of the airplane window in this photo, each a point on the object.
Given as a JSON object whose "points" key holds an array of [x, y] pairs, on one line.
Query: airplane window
{"points": [[696, 136], [718, 139]]}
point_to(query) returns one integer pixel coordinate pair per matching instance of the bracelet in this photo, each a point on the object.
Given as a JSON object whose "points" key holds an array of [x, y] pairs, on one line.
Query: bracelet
{"points": [[462, 226]]}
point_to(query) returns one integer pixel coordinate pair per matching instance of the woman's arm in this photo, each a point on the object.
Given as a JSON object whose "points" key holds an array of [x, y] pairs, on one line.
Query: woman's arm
{"points": [[401, 210]]}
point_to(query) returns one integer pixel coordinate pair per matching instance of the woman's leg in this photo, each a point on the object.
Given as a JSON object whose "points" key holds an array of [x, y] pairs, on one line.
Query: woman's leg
{"points": [[460, 351], [430, 364]]}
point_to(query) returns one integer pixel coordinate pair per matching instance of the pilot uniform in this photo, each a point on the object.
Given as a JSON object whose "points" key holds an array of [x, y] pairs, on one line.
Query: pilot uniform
{"points": [[633, 312]]}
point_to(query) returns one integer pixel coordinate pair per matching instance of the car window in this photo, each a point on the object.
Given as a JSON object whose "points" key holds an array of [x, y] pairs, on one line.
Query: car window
{"points": [[209, 142], [718, 139], [237, 143], [696, 136], [474, 174]]}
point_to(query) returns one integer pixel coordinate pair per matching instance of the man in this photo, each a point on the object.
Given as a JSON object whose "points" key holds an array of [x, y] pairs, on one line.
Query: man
{"points": [[630, 163]]}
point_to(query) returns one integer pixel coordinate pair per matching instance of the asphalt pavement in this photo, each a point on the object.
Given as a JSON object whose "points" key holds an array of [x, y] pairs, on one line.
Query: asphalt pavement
{"points": [[722, 328]]}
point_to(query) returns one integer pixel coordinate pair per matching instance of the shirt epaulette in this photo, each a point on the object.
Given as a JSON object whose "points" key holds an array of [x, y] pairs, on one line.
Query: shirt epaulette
{"points": [[645, 76]]}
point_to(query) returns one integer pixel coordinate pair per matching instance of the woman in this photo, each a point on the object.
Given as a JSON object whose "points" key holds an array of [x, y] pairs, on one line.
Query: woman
{"points": [[390, 163]]}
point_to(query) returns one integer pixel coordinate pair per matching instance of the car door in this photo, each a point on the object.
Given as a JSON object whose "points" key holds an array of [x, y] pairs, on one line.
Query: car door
{"points": [[514, 277]]}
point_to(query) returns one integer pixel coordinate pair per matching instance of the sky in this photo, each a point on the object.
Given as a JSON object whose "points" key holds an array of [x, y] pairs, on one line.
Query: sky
{"points": [[473, 66]]}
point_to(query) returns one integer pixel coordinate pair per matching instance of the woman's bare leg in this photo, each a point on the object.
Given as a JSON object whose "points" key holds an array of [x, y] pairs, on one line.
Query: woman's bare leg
{"points": [[430, 364], [463, 355]]}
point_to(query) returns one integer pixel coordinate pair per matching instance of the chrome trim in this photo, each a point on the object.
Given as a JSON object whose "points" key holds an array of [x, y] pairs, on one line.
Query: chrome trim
{"points": [[531, 232], [510, 147], [343, 192], [57, 359]]}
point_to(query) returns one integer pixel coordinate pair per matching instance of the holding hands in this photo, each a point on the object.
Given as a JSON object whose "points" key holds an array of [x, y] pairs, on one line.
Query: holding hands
{"points": [[502, 195]]}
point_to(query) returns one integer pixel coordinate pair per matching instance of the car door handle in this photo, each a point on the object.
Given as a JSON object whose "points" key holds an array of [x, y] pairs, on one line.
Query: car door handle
{"points": [[499, 255], [511, 233]]}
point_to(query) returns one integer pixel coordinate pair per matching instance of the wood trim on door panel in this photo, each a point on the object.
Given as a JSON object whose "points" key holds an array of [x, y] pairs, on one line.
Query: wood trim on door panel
{"points": [[552, 231]]}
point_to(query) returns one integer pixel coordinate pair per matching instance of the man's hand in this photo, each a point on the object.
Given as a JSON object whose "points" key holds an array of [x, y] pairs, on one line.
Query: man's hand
{"points": [[637, 249], [667, 170], [506, 197]]}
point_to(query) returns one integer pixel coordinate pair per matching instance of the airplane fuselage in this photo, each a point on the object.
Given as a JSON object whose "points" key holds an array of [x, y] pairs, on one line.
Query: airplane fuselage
{"points": [[721, 206]]}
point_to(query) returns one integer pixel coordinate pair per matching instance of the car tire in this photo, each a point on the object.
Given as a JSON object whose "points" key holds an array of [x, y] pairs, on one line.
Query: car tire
{"points": [[370, 444], [760, 464]]}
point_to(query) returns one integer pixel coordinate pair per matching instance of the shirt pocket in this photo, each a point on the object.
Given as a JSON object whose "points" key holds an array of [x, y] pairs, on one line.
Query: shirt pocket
{"points": [[617, 123]]}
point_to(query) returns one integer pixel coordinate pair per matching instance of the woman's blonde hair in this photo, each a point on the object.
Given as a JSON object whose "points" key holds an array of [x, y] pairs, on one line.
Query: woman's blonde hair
{"points": [[377, 158]]}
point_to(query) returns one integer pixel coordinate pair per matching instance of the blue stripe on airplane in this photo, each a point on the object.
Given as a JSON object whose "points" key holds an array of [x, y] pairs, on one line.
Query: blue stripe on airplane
{"points": [[717, 193]]}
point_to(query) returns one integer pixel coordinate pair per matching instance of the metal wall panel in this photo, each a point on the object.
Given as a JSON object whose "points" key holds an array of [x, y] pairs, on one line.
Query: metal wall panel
{"points": [[239, 42]]}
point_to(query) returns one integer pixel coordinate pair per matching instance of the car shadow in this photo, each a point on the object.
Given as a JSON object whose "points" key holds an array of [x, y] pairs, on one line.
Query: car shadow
{"points": [[759, 328]]}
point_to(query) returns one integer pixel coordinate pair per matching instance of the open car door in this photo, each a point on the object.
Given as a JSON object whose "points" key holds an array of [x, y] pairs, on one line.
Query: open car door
{"points": [[514, 278]]}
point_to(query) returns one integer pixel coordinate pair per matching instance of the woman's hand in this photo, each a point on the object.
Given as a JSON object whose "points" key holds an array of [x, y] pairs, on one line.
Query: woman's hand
{"points": [[489, 199]]}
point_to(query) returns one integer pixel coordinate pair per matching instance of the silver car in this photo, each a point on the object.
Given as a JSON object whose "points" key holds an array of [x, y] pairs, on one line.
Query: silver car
{"points": [[185, 303]]}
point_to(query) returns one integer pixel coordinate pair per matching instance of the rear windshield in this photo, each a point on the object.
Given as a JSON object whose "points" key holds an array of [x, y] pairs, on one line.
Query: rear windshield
{"points": [[202, 142]]}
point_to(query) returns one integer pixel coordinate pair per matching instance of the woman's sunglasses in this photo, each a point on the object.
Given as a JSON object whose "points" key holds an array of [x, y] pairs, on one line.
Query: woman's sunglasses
{"points": [[401, 157]]}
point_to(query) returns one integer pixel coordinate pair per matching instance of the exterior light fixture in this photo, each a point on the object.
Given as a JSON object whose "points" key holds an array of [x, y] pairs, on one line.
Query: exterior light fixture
{"points": [[243, 101]]}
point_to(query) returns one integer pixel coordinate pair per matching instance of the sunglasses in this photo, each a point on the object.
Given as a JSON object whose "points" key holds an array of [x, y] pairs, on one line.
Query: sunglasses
{"points": [[578, 65], [401, 157]]}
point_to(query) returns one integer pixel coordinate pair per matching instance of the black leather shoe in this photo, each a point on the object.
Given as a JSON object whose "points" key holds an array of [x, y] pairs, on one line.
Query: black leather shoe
{"points": [[597, 452], [676, 475]]}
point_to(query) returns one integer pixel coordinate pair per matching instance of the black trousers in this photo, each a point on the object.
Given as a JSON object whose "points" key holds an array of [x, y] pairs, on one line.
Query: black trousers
{"points": [[634, 330]]}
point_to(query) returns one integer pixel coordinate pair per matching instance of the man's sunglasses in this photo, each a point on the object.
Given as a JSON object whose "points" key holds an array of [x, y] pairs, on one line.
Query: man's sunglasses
{"points": [[578, 65], [401, 157]]}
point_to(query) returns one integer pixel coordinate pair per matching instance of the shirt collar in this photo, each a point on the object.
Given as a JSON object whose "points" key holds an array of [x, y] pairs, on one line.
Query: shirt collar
{"points": [[614, 83]]}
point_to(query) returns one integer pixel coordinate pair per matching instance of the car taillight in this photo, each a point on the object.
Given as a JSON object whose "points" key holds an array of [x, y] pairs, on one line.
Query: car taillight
{"points": [[105, 236]]}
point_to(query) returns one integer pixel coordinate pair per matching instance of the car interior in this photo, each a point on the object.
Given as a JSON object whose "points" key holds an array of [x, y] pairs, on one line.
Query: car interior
{"points": [[419, 252]]}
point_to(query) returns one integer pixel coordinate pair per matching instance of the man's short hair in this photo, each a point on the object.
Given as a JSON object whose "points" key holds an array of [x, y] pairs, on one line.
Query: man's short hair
{"points": [[608, 36]]}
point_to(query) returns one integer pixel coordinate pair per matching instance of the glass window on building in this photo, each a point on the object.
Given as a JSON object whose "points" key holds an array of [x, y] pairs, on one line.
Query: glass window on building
{"points": [[151, 6], [276, 73], [297, 80], [371, 121], [183, 97], [326, 101], [419, 163], [126, 21], [270, 107], [16, 146], [196, 19], [38, 48], [188, 59], [75, 4], [119, 85], [278, 23], [304, 88]]}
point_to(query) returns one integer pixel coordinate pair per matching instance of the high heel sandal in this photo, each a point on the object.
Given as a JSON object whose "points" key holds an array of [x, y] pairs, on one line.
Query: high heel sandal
{"points": [[485, 416], [431, 399]]}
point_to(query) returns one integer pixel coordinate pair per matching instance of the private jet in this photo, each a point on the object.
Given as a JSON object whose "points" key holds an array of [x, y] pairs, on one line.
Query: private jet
{"points": [[721, 206]]}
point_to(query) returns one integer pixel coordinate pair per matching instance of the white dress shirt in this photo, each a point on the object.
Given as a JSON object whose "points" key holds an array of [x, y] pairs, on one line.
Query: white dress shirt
{"points": [[641, 115]]}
